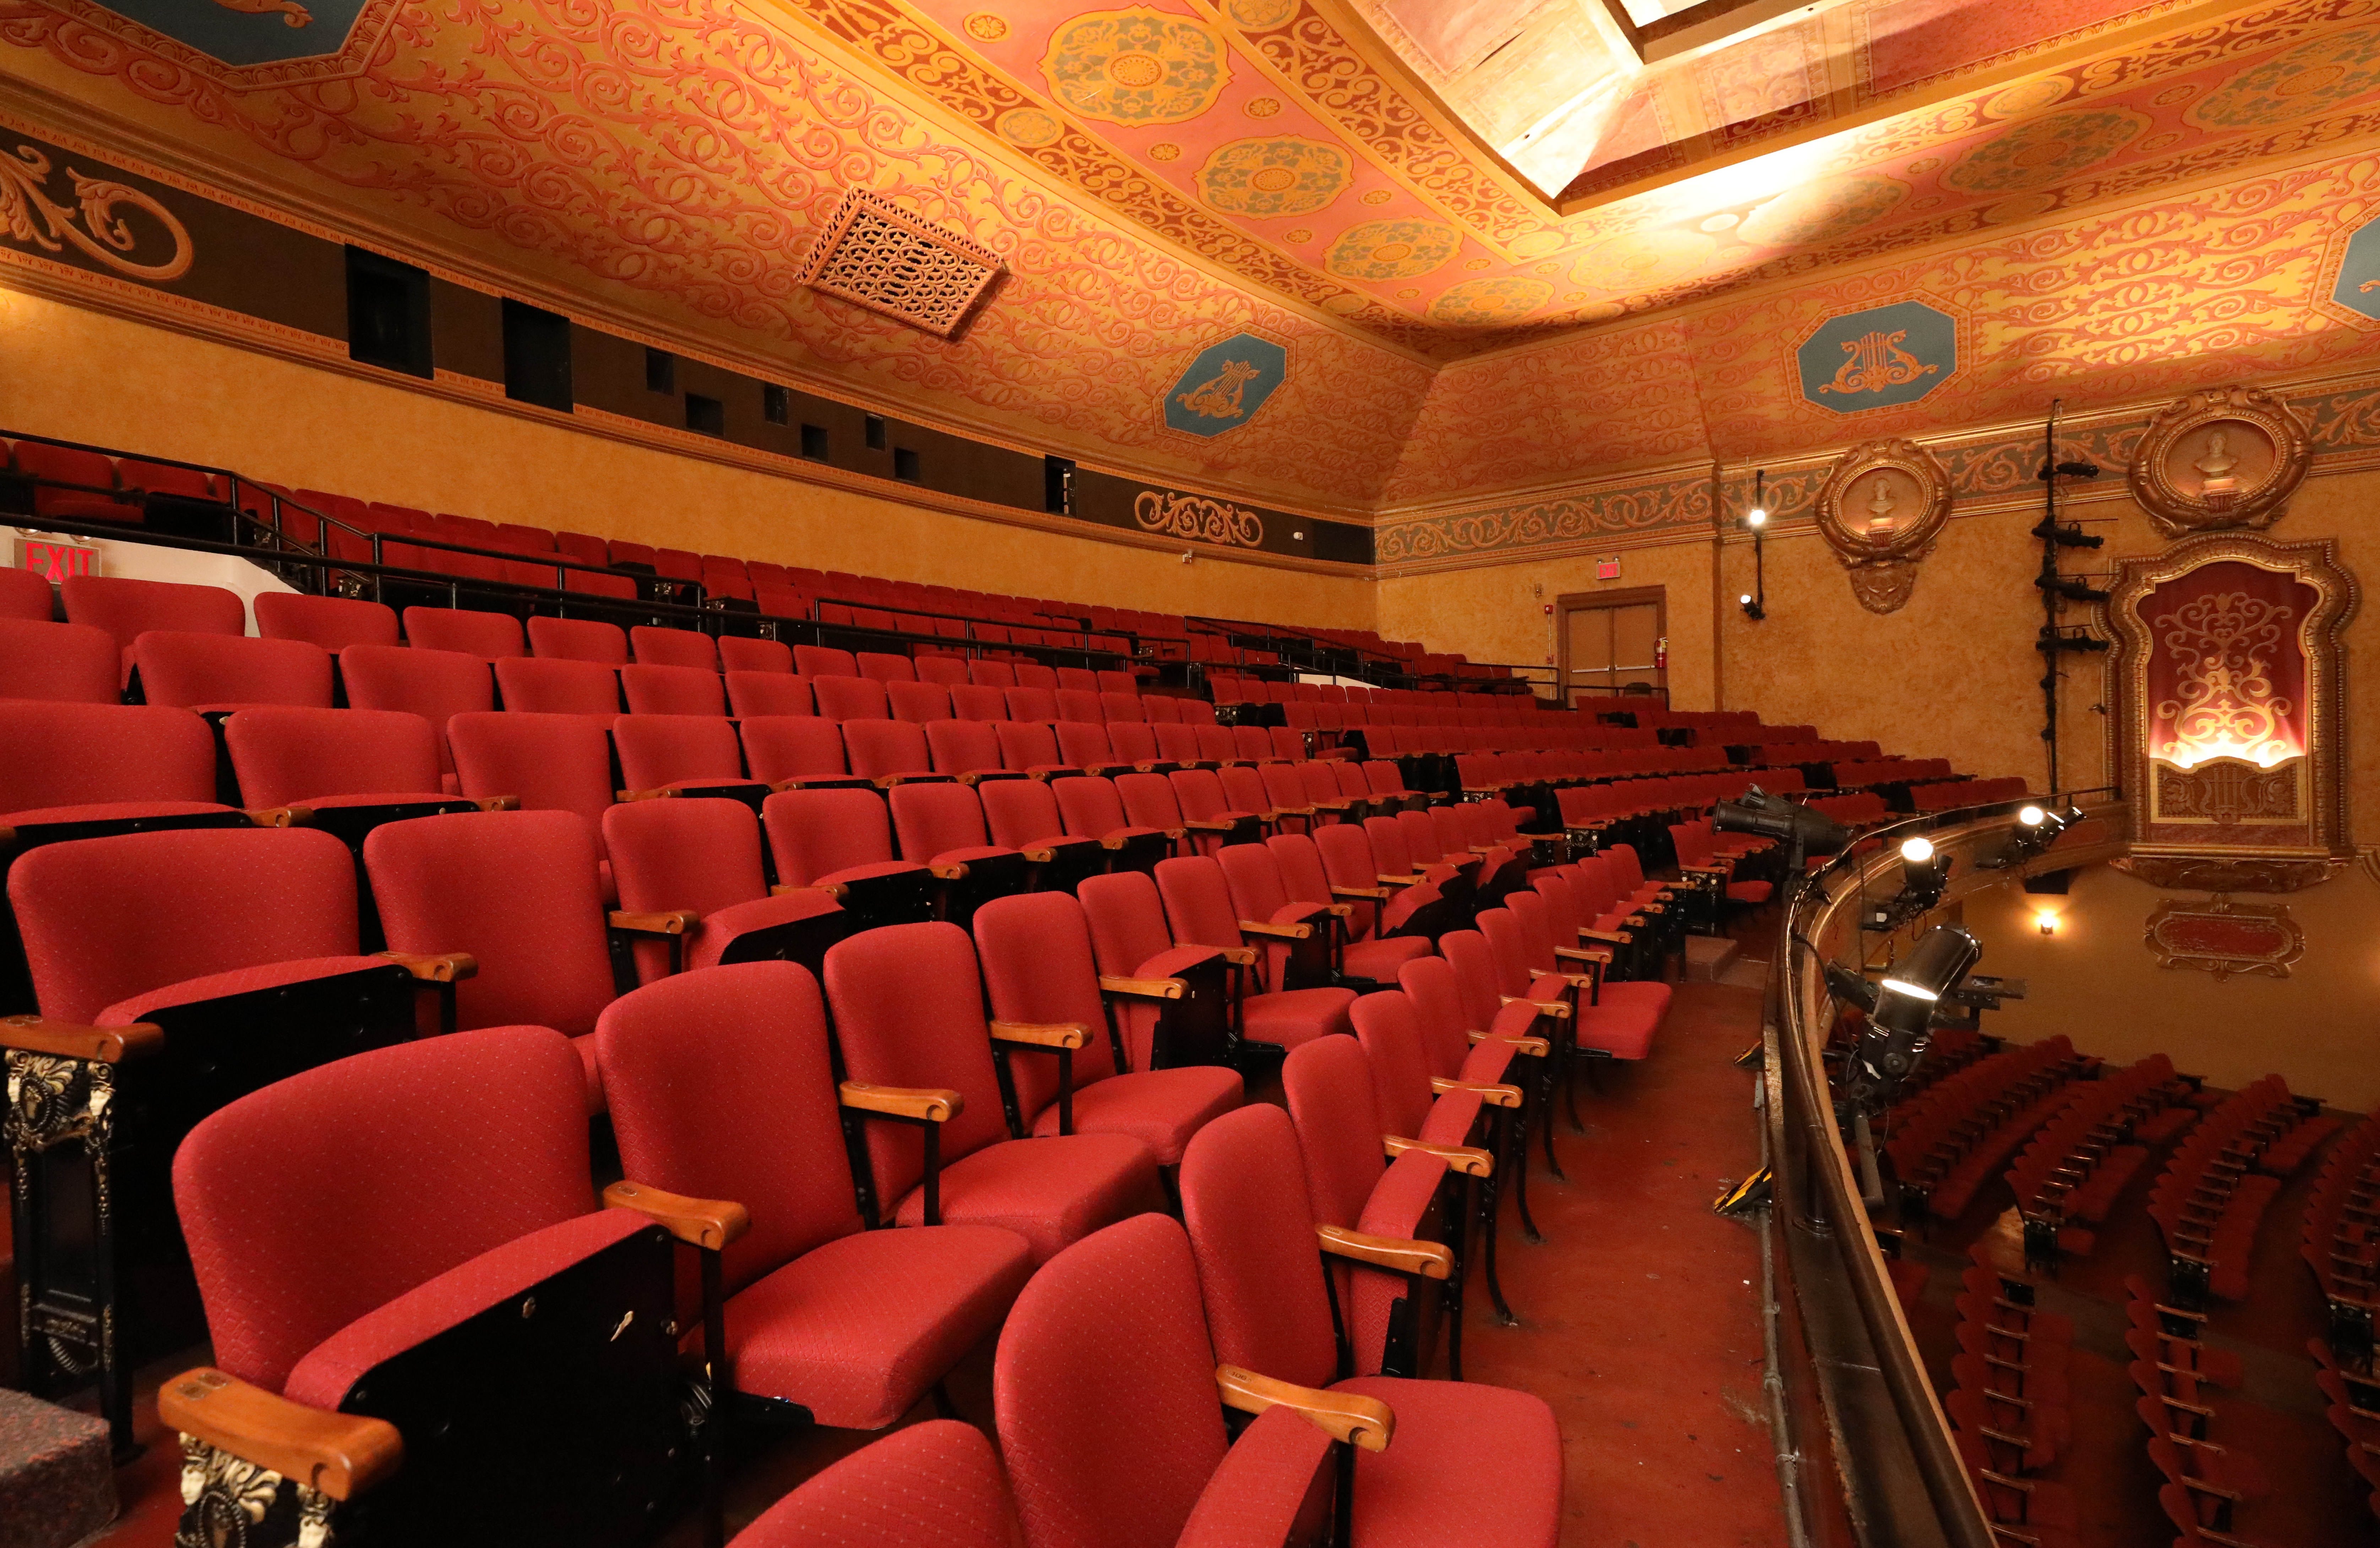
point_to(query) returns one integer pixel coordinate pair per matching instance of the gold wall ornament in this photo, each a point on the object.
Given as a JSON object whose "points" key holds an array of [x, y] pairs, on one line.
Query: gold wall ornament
{"points": [[2222, 937], [1194, 515], [292, 13], [2219, 460], [27, 215], [2227, 714], [1881, 508], [874, 253]]}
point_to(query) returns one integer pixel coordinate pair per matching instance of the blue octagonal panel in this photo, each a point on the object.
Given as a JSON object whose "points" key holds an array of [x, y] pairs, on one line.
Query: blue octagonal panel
{"points": [[2359, 273], [1226, 384], [248, 31], [1879, 358]]}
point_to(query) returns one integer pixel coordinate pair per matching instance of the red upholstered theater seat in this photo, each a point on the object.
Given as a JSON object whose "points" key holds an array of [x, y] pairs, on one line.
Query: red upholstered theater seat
{"points": [[673, 647], [489, 635], [559, 685], [77, 770], [1198, 908], [885, 667], [722, 1086], [991, 674], [767, 693], [949, 671], [886, 752], [940, 826], [909, 1013], [824, 660], [931, 1485], [27, 596], [542, 762], [223, 671], [692, 889], [1208, 814], [739, 654], [919, 703], [841, 842], [1160, 1027], [59, 662], [967, 750], [796, 751], [353, 768], [127, 609], [1032, 703], [1023, 815], [681, 754], [673, 690], [850, 697], [435, 685], [520, 892], [319, 1278], [98, 501], [579, 640], [1092, 808], [334, 623], [1038, 971]]}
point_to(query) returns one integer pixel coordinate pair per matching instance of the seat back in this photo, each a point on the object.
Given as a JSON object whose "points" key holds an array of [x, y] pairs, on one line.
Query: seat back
{"points": [[68, 662], [702, 855], [1251, 1227], [1250, 744], [1508, 948], [1149, 800], [919, 702], [1284, 790], [962, 746], [932, 819], [129, 609], [198, 670], [284, 1194], [559, 685], [737, 654], [1198, 794], [1436, 1000], [547, 762], [908, 1011], [491, 635], [793, 747], [579, 640], [673, 690], [286, 756], [1124, 1299], [991, 674], [1161, 709], [877, 747], [1032, 703], [1303, 875], [26, 596], [969, 701], [1083, 745], [1121, 706], [824, 660], [673, 647], [435, 685], [657, 749], [332, 623], [886, 667], [1177, 743], [1243, 788], [1132, 741], [873, 1496], [1215, 743], [949, 671], [767, 693], [1025, 745], [1384, 778], [850, 697], [1038, 968], [515, 889], [816, 832], [1018, 812], [1389, 1029], [1089, 805], [105, 918], [1032, 673], [1477, 980], [1328, 1083], [1197, 902]]}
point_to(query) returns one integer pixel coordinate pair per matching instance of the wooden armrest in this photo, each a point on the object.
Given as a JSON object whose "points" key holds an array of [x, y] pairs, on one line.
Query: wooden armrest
{"points": [[1468, 1159], [673, 922], [280, 817], [1582, 954], [1705, 870], [1490, 1094], [2222, 1540], [1243, 955], [642, 795], [1147, 989], [711, 1223], [1055, 1034], [1554, 1008], [1428, 1259], [1197, 825], [443, 967], [1282, 932], [496, 803], [2185, 1406], [2005, 1481], [925, 1103], [105, 1046], [832, 889], [338, 1454], [1361, 1421], [1535, 1047], [2200, 1486], [1610, 937], [955, 872], [1387, 881], [1375, 894], [1339, 910], [2165, 1310]]}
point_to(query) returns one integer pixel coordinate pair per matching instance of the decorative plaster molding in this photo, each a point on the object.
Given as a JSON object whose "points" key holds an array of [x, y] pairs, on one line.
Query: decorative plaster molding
{"points": [[2223, 937]]}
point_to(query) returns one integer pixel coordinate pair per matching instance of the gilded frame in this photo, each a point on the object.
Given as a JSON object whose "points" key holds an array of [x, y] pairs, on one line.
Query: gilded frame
{"points": [[2179, 511], [2235, 858], [1883, 569]]}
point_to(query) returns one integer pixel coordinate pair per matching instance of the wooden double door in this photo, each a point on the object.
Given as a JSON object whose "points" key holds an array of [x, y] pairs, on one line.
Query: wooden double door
{"points": [[1612, 641]]}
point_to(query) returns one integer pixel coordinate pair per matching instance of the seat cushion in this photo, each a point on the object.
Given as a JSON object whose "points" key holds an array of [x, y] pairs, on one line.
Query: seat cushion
{"points": [[865, 873], [1471, 1467], [1621, 1026], [858, 1329], [111, 811], [241, 980], [1297, 1015], [721, 927], [1162, 1108], [322, 1378], [1380, 960], [1052, 1192], [391, 798], [973, 854]]}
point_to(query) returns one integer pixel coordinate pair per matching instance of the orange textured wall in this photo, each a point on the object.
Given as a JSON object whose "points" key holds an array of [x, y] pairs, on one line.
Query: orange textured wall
{"points": [[2096, 982], [87, 376]]}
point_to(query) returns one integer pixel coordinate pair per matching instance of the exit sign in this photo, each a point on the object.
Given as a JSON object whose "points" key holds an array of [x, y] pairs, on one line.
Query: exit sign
{"points": [[53, 559], [1607, 570]]}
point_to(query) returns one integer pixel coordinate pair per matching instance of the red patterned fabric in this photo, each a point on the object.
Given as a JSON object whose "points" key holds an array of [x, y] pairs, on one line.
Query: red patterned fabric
{"points": [[941, 823], [739, 654], [817, 661], [1198, 904], [217, 671], [128, 608], [73, 663], [240, 981], [331, 1368], [106, 918], [922, 704], [669, 751], [2228, 672], [548, 763], [816, 835], [1251, 1225], [931, 1485], [1108, 1341], [673, 690], [751, 694], [673, 647], [878, 748], [518, 891], [286, 756], [112, 811], [1272, 1488], [435, 685], [1328, 1087], [24, 595], [1471, 1467], [489, 636], [794, 747], [721, 929], [962, 746], [695, 854], [579, 640], [1023, 814], [562, 686], [1092, 809], [286, 1196], [850, 697], [1388, 1027]]}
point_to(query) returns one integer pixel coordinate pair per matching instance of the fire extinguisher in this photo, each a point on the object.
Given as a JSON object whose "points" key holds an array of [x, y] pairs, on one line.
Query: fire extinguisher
{"points": [[1661, 655]]}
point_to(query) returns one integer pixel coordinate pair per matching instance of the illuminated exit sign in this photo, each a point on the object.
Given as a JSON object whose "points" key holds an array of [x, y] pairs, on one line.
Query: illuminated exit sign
{"points": [[1607, 570], [55, 558]]}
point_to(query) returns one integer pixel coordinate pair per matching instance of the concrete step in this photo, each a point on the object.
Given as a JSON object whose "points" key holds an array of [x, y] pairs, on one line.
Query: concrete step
{"points": [[1708, 957], [58, 1484]]}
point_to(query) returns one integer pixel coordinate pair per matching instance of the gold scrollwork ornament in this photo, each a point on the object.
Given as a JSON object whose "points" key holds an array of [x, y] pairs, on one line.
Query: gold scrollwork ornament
{"points": [[28, 214], [2219, 460], [1194, 515], [1881, 510]]}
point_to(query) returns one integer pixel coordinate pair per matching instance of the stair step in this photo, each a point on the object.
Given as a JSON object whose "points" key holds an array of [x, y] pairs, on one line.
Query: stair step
{"points": [[58, 1484], [1709, 956]]}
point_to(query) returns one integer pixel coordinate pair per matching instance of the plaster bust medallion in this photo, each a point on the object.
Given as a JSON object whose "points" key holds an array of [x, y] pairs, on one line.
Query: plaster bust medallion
{"points": [[1883, 504], [2225, 457]]}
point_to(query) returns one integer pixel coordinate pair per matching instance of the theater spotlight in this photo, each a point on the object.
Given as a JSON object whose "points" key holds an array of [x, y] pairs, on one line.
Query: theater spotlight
{"points": [[1849, 987], [1754, 602], [1924, 872], [1907, 999], [1752, 608], [1769, 816], [2038, 827]]}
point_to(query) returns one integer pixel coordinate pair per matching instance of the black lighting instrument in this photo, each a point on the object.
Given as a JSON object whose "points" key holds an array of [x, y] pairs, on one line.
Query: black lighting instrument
{"points": [[1754, 602], [1907, 1000], [2054, 641]]}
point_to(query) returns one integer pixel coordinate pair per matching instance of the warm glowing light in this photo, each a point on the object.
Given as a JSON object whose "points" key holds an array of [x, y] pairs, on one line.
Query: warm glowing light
{"points": [[2032, 816], [1746, 600], [1902, 986], [2264, 755], [2048, 922], [1755, 517], [1917, 850]]}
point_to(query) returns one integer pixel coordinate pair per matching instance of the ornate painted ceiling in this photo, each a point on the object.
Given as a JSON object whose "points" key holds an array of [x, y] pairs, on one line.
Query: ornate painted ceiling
{"points": [[1490, 250]]}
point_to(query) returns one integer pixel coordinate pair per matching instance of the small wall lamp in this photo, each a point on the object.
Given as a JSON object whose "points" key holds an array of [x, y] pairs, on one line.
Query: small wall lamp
{"points": [[1754, 602]]}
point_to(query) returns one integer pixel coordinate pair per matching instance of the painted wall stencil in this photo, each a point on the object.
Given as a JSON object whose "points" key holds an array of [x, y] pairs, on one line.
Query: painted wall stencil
{"points": [[1879, 358], [1225, 385], [2225, 457], [1136, 66], [2353, 264], [878, 255], [1881, 508]]}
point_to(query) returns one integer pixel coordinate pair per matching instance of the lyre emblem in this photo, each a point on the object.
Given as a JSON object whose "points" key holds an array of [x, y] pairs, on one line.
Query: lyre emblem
{"points": [[1877, 361], [1218, 398]]}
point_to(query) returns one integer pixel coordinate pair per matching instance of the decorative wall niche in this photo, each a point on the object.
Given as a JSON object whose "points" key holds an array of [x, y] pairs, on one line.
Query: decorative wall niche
{"points": [[2224, 459], [1881, 508], [2230, 726]]}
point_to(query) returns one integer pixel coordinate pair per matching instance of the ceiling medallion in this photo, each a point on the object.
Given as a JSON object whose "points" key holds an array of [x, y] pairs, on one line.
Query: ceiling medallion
{"points": [[2223, 459], [1881, 508], [2223, 937], [875, 254], [1136, 66]]}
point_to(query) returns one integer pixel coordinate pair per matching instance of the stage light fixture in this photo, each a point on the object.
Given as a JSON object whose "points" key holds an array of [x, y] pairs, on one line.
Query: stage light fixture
{"points": [[1901, 1028], [1814, 833], [1754, 602]]}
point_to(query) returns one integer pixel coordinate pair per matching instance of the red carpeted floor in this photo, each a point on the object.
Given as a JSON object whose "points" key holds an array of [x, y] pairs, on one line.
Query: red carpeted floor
{"points": [[1640, 1320]]}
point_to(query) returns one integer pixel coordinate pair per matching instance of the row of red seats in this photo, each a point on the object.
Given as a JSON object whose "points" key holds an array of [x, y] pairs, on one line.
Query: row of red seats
{"points": [[1773, 752], [1892, 770], [1230, 688], [1591, 810], [2351, 1395], [1946, 794], [2341, 1240], [2074, 1168], [2013, 1403], [2216, 1186], [70, 484], [1957, 1133], [2179, 1376]]}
